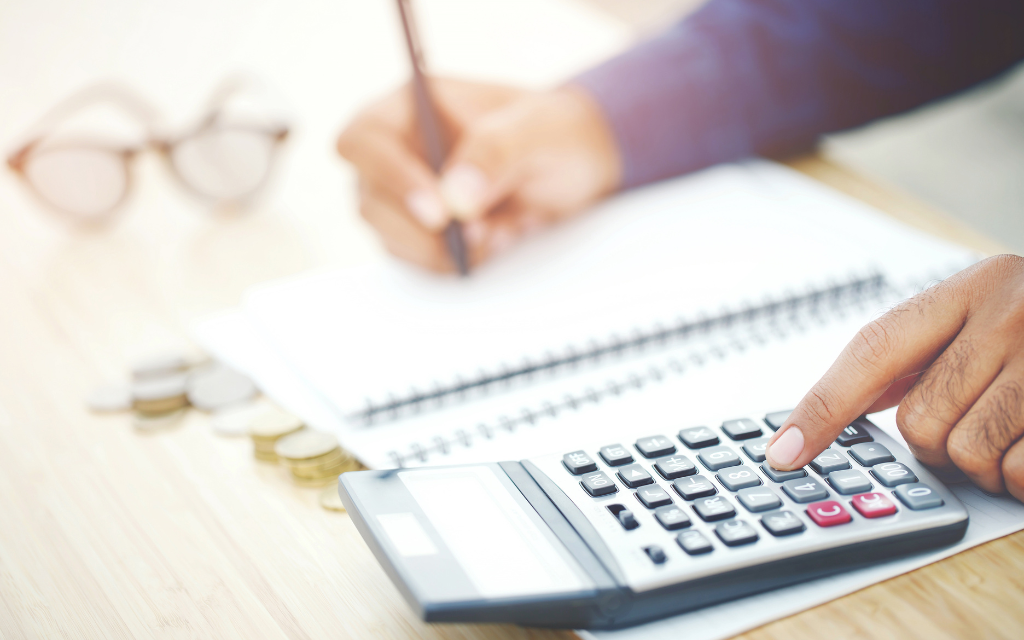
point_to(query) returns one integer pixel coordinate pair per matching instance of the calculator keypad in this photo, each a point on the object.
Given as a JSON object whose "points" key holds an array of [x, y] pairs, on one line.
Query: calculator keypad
{"points": [[715, 458], [755, 448], [655, 446], [698, 437], [870, 454], [736, 478], [726, 502], [616, 455], [758, 499], [742, 429], [634, 476], [892, 474], [804, 490], [714, 508], [828, 461], [736, 532], [598, 484], [653, 496], [828, 514], [672, 467], [693, 487]]}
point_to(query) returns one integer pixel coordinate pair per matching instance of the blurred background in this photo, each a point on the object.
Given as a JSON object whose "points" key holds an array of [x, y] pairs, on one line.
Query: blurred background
{"points": [[324, 60]]}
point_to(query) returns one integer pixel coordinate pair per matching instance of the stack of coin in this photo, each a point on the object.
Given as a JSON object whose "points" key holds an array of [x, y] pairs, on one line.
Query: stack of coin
{"points": [[314, 458], [269, 427]]}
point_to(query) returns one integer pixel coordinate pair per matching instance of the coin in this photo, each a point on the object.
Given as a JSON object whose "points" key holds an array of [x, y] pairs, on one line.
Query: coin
{"points": [[217, 387], [159, 395], [273, 424], [110, 397], [236, 419], [143, 422], [159, 365], [335, 457], [330, 500], [305, 444]]}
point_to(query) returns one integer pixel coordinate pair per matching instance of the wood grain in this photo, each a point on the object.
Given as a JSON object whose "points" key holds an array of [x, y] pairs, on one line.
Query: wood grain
{"points": [[109, 533]]}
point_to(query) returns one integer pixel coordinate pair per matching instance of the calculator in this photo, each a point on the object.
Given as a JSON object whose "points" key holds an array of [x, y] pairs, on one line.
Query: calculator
{"points": [[620, 533]]}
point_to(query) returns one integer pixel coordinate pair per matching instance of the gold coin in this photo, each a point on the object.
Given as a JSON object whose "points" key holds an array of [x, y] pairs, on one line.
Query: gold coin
{"points": [[144, 422], [305, 444], [273, 424], [334, 457], [264, 457], [217, 386], [330, 500], [159, 395], [319, 472], [110, 397]]}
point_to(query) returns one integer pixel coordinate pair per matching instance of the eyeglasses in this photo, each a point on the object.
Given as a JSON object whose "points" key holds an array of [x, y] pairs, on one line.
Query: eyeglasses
{"points": [[224, 158]]}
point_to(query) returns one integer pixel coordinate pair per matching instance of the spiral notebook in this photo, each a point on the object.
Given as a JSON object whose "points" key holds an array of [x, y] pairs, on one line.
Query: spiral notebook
{"points": [[735, 287]]}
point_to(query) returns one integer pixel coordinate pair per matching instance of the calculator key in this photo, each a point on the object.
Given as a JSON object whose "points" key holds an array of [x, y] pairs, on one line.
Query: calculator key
{"points": [[698, 437], [579, 462], [758, 499], [627, 519], [755, 448], [804, 490], [828, 513], [713, 508], [598, 484], [870, 453], [672, 467], [616, 454], [873, 505], [653, 496], [918, 496], [776, 418], [782, 476], [742, 429], [672, 517], [694, 542], [693, 487], [853, 434], [715, 458], [782, 523], [736, 478], [634, 476], [828, 461], [656, 554], [849, 482], [736, 532], [892, 474], [655, 446]]}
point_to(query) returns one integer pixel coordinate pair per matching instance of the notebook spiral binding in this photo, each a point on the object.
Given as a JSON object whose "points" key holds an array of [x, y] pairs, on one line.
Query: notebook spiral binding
{"points": [[815, 305]]}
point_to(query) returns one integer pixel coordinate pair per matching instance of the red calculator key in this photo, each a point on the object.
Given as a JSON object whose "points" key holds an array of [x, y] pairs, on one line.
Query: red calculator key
{"points": [[873, 505], [828, 513]]}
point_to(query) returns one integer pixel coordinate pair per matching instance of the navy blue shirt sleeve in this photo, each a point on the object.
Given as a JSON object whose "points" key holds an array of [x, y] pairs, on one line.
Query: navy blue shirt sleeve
{"points": [[768, 77]]}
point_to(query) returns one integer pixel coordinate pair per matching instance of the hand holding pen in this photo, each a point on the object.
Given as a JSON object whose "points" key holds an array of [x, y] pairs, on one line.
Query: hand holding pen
{"points": [[519, 160]]}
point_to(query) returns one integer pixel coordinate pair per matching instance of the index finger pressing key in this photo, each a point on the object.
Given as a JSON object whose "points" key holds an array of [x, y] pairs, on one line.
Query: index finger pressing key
{"points": [[902, 342]]}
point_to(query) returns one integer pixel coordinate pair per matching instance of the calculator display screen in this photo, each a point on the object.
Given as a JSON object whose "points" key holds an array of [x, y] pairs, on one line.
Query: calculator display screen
{"points": [[495, 541]]}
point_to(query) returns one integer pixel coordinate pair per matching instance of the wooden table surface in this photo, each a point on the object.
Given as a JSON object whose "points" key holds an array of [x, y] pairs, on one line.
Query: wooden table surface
{"points": [[110, 533]]}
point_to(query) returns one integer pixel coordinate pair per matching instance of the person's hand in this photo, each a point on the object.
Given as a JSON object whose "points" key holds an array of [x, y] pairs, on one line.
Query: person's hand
{"points": [[953, 359], [520, 160]]}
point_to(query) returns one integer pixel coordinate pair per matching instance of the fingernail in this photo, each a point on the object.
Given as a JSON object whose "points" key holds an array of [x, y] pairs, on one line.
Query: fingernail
{"points": [[464, 188], [785, 450], [426, 207]]}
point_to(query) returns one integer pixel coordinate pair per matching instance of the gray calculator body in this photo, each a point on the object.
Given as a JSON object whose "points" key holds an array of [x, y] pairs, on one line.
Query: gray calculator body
{"points": [[529, 542]]}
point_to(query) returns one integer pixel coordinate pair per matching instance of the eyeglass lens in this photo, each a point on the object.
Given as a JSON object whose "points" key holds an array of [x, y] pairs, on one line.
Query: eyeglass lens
{"points": [[83, 181]]}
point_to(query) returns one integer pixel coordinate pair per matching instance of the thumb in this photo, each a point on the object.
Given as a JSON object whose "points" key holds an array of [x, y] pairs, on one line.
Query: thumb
{"points": [[484, 167]]}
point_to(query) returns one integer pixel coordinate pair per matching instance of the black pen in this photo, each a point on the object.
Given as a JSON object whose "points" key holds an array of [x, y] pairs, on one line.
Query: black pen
{"points": [[434, 140]]}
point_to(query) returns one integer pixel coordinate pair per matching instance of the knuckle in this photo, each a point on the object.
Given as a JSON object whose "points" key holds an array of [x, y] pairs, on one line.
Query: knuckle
{"points": [[874, 344], [822, 402], [915, 423], [1013, 472]]}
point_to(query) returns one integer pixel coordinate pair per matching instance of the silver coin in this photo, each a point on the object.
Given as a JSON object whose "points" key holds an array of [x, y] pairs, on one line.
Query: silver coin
{"points": [[305, 444], [236, 419], [109, 398], [219, 387], [159, 365]]}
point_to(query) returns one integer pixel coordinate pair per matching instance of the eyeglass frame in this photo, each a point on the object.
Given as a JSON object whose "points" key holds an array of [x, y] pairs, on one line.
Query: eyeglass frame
{"points": [[18, 159]]}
